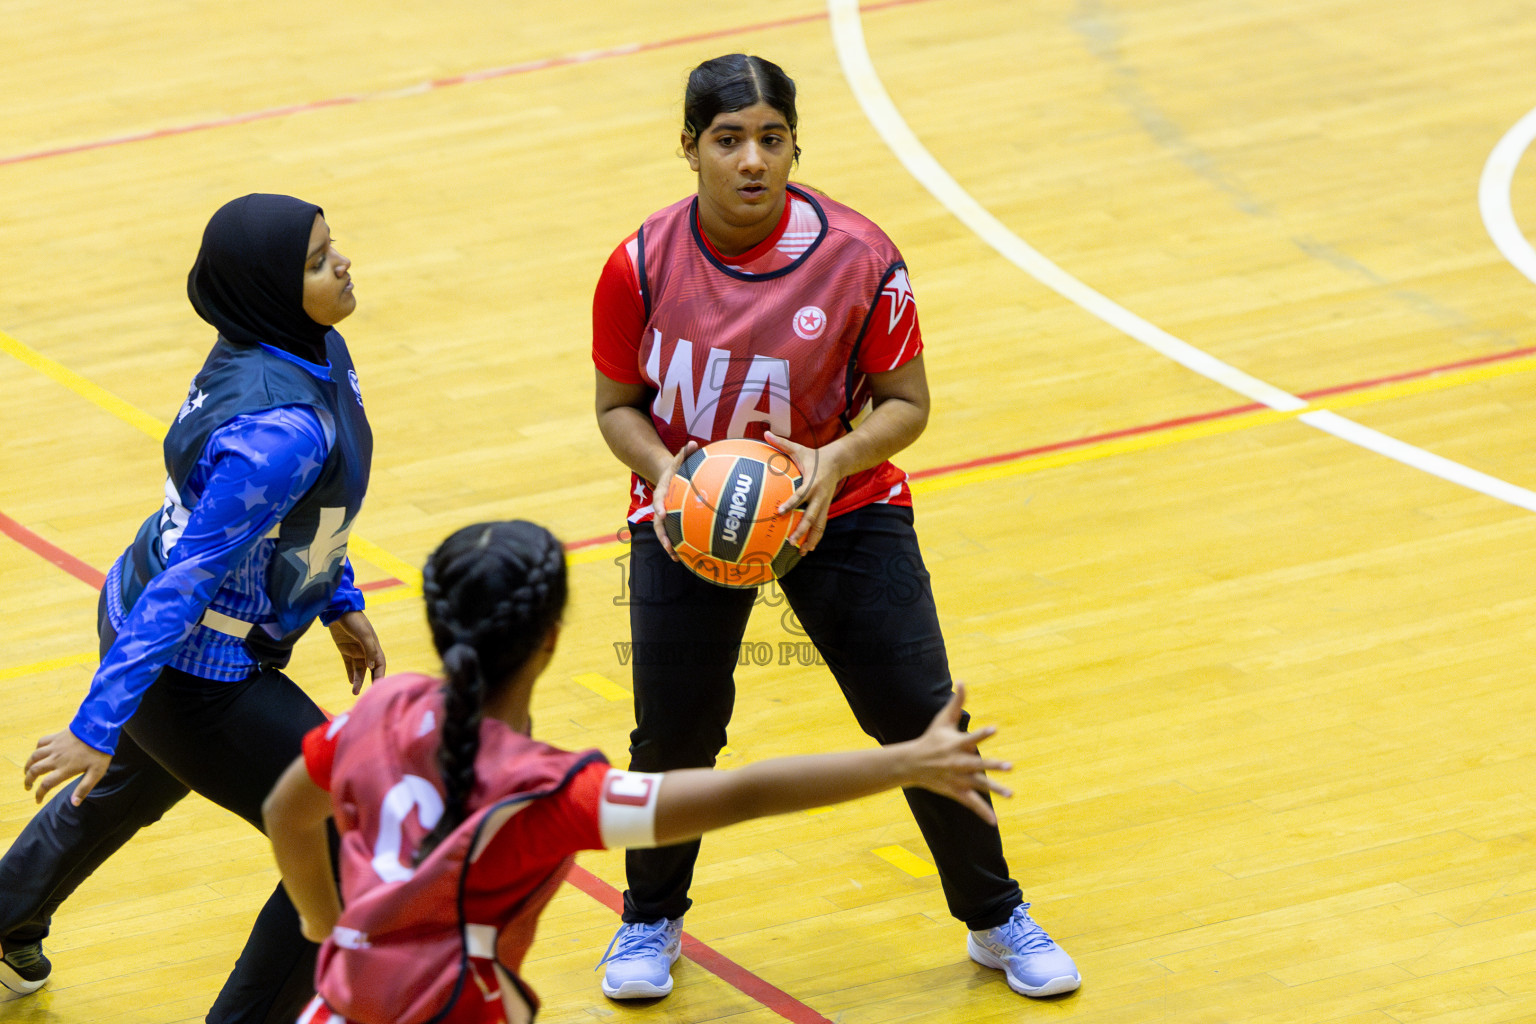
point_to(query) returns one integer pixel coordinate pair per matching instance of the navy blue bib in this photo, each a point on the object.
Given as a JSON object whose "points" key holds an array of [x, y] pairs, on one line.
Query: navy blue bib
{"points": [[311, 542]]}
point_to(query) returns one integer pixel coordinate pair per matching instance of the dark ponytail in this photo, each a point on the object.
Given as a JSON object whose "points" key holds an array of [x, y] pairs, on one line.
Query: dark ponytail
{"points": [[734, 82], [493, 590]]}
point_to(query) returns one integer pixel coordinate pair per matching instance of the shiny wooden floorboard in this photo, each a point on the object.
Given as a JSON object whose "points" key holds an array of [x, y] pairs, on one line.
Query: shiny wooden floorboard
{"points": [[1266, 691]]}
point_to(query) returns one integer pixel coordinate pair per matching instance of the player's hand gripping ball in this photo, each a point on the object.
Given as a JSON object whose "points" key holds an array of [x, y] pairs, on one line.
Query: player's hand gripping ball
{"points": [[722, 512]]}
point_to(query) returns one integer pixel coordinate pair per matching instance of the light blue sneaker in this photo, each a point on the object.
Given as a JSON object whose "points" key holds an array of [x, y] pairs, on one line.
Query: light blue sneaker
{"points": [[640, 959], [1034, 964]]}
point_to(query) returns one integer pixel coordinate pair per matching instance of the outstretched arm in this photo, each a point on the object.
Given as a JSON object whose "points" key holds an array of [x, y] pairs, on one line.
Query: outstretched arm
{"points": [[943, 759]]}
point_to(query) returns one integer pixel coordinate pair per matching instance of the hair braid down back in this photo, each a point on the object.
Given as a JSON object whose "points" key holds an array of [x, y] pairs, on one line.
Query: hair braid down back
{"points": [[493, 590]]}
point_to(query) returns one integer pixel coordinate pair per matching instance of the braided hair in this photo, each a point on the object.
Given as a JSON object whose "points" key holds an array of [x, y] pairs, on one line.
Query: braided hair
{"points": [[493, 590]]}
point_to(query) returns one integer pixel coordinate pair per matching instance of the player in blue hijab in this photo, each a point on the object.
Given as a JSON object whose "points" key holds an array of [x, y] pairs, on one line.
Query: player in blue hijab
{"points": [[267, 466]]}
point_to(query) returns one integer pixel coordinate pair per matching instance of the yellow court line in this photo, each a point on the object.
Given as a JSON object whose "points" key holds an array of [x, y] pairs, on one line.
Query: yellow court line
{"points": [[391, 595], [410, 576], [39, 667], [1105, 449], [93, 393], [1425, 385], [1173, 435], [103, 399], [602, 686], [1224, 425], [401, 570], [908, 861], [600, 553]]}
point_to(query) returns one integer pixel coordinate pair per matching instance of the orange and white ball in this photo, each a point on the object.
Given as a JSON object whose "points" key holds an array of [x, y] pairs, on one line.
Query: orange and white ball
{"points": [[722, 512]]}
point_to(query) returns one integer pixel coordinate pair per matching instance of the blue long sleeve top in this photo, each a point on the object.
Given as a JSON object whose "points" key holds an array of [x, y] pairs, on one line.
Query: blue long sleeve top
{"points": [[252, 471]]}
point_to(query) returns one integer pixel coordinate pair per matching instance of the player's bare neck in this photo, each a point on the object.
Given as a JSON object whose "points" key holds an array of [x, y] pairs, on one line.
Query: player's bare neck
{"points": [[734, 242]]}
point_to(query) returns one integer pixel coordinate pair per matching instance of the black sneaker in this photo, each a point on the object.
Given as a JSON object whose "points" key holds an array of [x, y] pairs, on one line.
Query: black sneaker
{"points": [[24, 969]]}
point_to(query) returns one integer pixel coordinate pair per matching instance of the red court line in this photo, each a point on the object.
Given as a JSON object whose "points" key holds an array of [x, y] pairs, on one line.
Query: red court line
{"points": [[65, 560], [1398, 378], [51, 553], [732, 973], [1084, 442], [88, 574], [1180, 421], [1218, 414], [591, 542], [724, 968], [727, 970], [467, 78]]}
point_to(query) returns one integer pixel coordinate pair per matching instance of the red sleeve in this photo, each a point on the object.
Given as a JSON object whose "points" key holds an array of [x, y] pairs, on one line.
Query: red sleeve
{"points": [[893, 337], [558, 825], [618, 317], [320, 751]]}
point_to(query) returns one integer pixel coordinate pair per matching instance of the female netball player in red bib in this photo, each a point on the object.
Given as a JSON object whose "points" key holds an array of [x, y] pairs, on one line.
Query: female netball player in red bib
{"points": [[758, 308], [457, 827]]}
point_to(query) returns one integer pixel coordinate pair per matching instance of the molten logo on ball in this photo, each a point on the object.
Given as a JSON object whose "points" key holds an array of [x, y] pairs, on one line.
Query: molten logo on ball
{"points": [[722, 512], [738, 510]]}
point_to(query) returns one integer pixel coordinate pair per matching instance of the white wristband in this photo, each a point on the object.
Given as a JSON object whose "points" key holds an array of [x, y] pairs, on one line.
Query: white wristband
{"points": [[627, 809]]}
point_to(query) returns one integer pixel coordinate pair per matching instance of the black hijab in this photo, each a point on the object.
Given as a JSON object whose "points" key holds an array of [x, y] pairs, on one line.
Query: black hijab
{"points": [[248, 280]]}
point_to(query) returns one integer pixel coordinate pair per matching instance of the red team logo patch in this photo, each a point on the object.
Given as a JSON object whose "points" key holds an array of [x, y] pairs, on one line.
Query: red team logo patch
{"points": [[628, 790], [809, 322]]}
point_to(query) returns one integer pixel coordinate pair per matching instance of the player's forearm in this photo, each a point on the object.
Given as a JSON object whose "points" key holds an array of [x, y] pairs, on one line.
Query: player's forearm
{"points": [[632, 438], [694, 801], [891, 426], [784, 784]]}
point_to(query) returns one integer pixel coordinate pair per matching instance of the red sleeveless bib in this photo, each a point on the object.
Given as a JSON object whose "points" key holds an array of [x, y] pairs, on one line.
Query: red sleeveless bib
{"points": [[732, 352], [427, 943]]}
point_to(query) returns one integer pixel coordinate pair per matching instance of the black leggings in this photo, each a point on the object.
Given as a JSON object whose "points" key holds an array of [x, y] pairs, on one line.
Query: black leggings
{"points": [[63, 844], [228, 741], [864, 599]]}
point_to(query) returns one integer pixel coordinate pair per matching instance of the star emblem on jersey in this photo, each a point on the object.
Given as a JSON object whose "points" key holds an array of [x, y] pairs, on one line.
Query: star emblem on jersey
{"points": [[900, 291], [809, 322], [192, 404], [328, 547]]}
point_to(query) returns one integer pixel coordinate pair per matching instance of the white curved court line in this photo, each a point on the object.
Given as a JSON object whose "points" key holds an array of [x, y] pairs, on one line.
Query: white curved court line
{"points": [[1493, 196], [852, 53]]}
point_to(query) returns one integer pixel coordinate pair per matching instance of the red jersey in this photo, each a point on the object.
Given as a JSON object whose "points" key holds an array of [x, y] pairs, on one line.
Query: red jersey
{"points": [[782, 337], [444, 940]]}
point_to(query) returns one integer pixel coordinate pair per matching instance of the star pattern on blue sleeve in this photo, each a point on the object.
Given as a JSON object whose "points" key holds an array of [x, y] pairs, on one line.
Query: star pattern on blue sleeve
{"points": [[308, 469], [253, 470], [253, 495]]}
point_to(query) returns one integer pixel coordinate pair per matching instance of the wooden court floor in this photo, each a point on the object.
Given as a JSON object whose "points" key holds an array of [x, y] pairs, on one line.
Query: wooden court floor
{"points": [[1225, 493]]}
